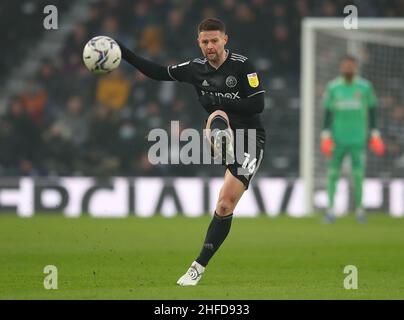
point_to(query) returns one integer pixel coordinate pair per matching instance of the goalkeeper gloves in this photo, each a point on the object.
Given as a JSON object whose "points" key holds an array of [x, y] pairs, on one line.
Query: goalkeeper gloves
{"points": [[210, 101], [327, 145], [376, 144]]}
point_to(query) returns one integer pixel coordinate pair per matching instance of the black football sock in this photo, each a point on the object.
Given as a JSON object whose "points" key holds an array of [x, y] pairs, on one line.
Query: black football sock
{"points": [[218, 230]]}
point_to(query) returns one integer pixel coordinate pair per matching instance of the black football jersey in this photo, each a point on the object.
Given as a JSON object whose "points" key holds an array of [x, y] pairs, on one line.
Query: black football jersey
{"points": [[236, 78]]}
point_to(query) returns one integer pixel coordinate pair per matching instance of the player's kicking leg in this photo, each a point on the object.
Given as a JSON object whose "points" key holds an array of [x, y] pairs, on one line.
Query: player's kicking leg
{"points": [[220, 137], [235, 183]]}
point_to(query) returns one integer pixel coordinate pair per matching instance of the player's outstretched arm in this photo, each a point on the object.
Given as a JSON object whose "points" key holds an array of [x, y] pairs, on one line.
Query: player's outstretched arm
{"points": [[246, 106], [147, 67]]}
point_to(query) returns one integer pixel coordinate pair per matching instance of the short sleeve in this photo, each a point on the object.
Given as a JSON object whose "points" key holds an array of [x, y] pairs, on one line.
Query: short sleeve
{"points": [[328, 98], [251, 82], [372, 100], [181, 72]]}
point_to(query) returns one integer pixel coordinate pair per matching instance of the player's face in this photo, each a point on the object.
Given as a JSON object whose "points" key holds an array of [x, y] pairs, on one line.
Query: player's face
{"points": [[212, 44], [348, 68]]}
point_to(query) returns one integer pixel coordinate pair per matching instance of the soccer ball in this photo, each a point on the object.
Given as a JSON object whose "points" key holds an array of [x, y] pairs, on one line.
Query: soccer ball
{"points": [[101, 54]]}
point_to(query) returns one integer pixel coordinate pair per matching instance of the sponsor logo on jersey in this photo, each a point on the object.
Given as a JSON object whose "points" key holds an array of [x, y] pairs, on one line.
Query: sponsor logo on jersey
{"points": [[231, 81], [205, 83], [253, 80], [347, 104], [230, 95]]}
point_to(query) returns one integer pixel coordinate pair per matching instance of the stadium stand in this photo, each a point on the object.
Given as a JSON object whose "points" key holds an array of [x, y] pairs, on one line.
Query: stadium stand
{"points": [[70, 122]]}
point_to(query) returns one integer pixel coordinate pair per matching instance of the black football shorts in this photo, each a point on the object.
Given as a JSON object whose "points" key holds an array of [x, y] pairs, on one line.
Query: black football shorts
{"points": [[249, 152]]}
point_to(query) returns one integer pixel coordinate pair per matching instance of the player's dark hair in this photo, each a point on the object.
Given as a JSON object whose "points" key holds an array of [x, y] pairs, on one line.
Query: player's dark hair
{"points": [[350, 58], [212, 24]]}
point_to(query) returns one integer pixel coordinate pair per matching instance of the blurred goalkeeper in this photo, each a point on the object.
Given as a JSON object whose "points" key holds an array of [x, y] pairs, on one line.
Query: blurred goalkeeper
{"points": [[229, 90], [349, 127]]}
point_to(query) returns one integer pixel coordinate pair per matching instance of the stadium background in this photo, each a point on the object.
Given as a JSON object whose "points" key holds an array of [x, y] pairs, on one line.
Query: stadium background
{"points": [[58, 120]]}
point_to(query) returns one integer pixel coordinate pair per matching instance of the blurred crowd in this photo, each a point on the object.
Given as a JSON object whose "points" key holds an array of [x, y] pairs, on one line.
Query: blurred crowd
{"points": [[68, 121]]}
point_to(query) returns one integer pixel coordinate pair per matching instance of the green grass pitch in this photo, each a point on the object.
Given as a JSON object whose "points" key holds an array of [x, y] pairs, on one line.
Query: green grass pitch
{"points": [[263, 258]]}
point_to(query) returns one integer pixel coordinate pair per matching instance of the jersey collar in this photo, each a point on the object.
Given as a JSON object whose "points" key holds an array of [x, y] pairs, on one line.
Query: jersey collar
{"points": [[227, 58], [354, 80]]}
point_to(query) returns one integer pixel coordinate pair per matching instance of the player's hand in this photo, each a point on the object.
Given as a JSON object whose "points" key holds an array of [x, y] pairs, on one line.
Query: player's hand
{"points": [[327, 145], [209, 101], [376, 144]]}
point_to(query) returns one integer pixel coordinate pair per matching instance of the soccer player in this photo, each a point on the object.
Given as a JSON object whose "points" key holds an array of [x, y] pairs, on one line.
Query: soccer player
{"points": [[350, 111], [229, 89]]}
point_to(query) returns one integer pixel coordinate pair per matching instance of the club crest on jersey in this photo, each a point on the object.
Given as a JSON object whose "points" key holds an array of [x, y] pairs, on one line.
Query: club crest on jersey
{"points": [[253, 80], [231, 81]]}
